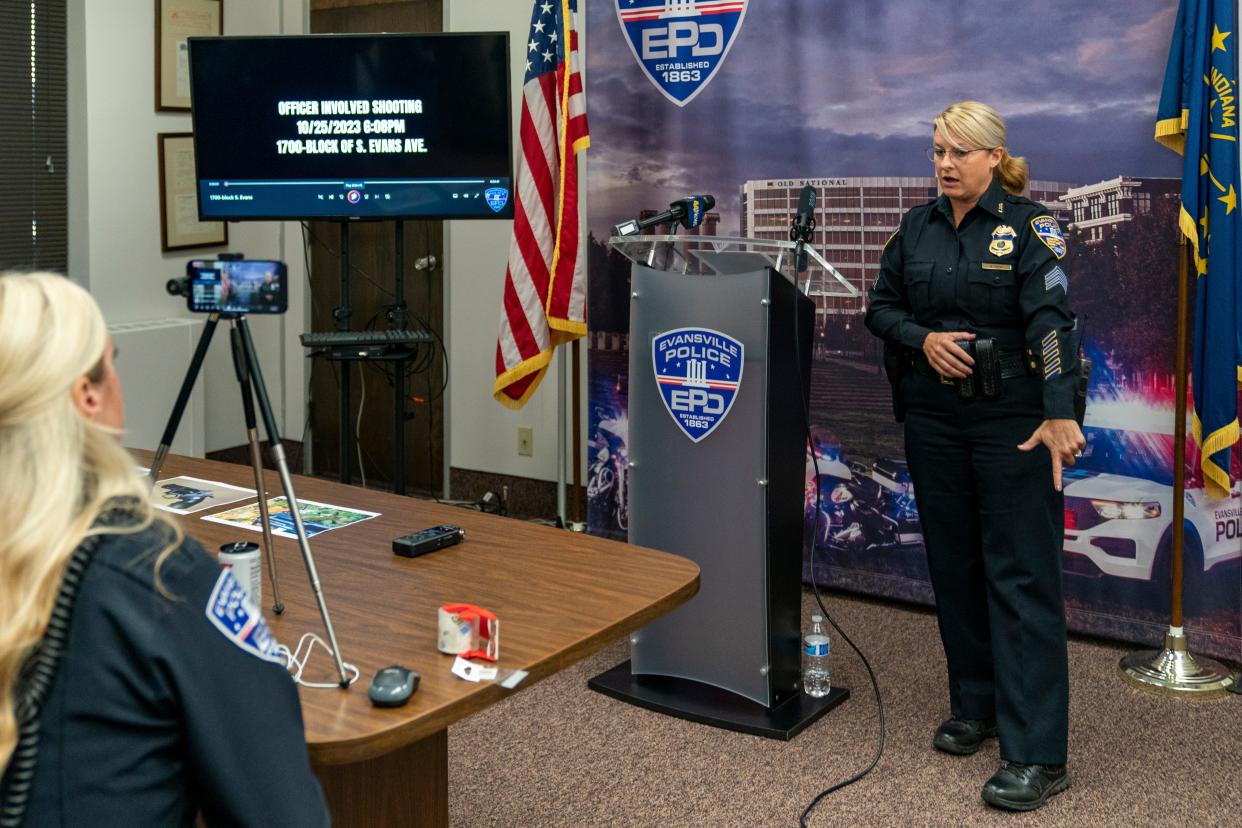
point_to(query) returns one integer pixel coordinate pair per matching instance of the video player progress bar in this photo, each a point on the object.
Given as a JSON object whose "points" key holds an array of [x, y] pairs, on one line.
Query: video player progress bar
{"points": [[321, 183]]}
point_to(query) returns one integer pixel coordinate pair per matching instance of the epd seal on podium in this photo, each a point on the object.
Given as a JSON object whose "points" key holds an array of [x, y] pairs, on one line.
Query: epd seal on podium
{"points": [[698, 371]]}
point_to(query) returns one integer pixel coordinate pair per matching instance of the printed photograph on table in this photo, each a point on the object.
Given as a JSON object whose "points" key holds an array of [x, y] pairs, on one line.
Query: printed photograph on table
{"points": [[187, 495], [682, 104], [317, 518]]}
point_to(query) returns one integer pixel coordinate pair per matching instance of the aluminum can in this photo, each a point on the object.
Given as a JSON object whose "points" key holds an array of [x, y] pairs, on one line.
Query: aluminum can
{"points": [[243, 558]]}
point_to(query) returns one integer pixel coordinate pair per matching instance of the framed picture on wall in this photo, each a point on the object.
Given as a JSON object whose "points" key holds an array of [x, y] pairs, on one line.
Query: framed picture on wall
{"points": [[175, 21], [179, 223]]}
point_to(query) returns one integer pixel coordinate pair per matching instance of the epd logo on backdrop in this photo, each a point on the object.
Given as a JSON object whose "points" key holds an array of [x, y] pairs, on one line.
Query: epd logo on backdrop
{"points": [[698, 371], [680, 43]]}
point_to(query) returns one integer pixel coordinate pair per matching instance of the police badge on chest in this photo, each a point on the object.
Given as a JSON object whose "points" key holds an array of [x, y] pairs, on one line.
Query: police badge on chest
{"points": [[1002, 240]]}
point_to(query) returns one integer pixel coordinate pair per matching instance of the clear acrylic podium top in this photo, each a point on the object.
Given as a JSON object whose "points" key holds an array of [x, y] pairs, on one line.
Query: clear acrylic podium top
{"points": [[724, 255]]}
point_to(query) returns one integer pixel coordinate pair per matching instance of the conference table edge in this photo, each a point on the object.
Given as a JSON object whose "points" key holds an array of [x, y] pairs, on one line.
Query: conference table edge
{"points": [[372, 745], [365, 746]]}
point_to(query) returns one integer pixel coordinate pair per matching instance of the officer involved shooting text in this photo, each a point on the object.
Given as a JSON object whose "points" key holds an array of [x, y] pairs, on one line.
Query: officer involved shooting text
{"points": [[351, 126]]}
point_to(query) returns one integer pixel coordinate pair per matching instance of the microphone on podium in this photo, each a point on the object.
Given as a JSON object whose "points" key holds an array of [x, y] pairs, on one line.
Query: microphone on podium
{"points": [[689, 211], [803, 225]]}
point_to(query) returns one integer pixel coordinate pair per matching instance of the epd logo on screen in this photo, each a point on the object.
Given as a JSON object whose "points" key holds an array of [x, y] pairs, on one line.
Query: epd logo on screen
{"points": [[680, 43], [698, 371]]}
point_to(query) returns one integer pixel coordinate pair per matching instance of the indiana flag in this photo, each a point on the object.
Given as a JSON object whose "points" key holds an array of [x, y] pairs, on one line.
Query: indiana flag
{"points": [[1198, 118], [545, 283]]}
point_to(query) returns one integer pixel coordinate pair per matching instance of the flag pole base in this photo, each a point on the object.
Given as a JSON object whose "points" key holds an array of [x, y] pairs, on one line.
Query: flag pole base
{"points": [[1175, 670]]}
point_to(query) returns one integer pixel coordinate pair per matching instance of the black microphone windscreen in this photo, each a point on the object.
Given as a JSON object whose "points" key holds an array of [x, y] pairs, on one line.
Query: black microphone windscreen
{"points": [[806, 202]]}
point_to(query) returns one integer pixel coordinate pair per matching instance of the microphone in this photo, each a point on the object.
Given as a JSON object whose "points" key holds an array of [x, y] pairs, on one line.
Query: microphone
{"points": [[804, 221], [690, 211], [803, 225]]}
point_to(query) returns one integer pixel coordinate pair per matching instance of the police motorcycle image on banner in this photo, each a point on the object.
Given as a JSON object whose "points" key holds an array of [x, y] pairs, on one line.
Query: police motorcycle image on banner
{"points": [[862, 507], [806, 93]]}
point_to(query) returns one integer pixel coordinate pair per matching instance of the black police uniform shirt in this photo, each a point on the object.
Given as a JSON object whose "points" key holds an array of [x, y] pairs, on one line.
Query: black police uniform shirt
{"points": [[156, 711], [996, 275]]}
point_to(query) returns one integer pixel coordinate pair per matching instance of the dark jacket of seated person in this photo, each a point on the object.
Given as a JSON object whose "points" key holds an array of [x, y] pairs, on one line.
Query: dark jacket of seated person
{"points": [[162, 705]]}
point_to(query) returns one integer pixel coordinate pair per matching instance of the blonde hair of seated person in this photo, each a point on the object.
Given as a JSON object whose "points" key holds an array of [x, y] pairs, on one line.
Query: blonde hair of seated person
{"points": [[58, 468]]}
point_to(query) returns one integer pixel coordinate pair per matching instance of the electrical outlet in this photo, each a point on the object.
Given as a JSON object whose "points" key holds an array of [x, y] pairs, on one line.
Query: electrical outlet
{"points": [[526, 441]]}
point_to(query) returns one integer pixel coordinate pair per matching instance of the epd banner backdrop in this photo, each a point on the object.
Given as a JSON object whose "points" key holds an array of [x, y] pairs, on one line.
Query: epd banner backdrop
{"points": [[750, 100]]}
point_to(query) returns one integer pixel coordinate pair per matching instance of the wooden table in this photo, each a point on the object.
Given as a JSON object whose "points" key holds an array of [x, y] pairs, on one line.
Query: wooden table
{"points": [[559, 597]]}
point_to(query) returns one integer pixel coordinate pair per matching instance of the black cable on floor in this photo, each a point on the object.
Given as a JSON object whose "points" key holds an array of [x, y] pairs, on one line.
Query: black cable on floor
{"points": [[875, 684]]}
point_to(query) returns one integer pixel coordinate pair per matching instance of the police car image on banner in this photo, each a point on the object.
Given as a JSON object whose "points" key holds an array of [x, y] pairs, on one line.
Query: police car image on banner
{"points": [[680, 43], [698, 372]]}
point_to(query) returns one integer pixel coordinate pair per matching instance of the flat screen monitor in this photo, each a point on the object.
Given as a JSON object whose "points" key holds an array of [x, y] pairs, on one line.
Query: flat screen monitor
{"points": [[378, 126]]}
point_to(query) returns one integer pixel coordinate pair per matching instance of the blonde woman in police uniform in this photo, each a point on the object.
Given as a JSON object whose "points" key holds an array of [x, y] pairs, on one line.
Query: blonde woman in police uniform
{"points": [[125, 698], [981, 262]]}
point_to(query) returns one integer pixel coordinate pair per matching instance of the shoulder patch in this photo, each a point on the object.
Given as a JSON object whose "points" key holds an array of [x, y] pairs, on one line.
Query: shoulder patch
{"points": [[1049, 233], [1056, 277], [230, 610]]}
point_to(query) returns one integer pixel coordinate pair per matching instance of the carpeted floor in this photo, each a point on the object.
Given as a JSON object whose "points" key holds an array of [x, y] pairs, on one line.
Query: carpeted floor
{"points": [[558, 754]]}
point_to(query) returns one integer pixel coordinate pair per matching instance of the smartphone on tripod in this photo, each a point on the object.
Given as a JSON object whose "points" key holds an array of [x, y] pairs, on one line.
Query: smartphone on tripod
{"points": [[236, 286]]}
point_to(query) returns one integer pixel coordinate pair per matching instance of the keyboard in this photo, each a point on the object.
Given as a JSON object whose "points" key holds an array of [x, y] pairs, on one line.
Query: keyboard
{"points": [[366, 339]]}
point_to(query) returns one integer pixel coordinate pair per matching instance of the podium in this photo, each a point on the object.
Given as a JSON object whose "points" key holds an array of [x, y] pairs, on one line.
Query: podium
{"points": [[719, 376]]}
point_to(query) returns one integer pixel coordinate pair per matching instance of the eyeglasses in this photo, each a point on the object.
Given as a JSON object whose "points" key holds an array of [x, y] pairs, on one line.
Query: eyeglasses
{"points": [[938, 153]]}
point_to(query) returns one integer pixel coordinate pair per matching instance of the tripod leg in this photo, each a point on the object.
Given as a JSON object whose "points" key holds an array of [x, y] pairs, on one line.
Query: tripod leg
{"points": [[286, 482], [183, 396], [256, 461]]}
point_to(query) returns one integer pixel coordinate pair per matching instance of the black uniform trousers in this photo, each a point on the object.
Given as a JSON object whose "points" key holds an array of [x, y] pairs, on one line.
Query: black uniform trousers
{"points": [[993, 528]]}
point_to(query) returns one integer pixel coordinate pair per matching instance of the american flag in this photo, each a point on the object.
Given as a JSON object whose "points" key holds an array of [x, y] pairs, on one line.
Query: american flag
{"points": [[545, 283]]}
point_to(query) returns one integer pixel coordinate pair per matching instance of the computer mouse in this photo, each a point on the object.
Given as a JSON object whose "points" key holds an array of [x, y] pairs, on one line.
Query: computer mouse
{"points": [[393, 686]]}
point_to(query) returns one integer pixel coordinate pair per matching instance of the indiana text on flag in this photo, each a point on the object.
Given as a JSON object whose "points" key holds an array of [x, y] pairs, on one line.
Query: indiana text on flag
{"points": [[545, 284], [1198, 117]]}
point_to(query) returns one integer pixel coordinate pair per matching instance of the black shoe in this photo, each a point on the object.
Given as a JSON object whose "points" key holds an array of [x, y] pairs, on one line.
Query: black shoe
{"points": [[963, 736], [1019, 787]]}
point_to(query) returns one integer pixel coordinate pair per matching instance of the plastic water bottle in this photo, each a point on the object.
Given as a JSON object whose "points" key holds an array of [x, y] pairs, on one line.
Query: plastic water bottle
{"points": [[815, 647]]}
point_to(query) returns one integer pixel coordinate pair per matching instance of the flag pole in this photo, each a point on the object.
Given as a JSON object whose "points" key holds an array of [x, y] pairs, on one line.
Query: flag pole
{"points": [[1174, 670], [578, 521], [562, 386]]}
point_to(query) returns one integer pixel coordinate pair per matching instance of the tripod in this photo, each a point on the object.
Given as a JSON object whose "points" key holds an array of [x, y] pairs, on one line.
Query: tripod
{"points": [[250, 378]]}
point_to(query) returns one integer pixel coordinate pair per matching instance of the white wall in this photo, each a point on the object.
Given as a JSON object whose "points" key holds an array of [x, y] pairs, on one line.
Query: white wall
{"points": [[115, 242], [483, 433], [114, 230]]}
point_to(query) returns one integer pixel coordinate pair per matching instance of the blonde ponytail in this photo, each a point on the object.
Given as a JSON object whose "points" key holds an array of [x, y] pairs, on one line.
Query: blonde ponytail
{"points": [[1014, 173]]}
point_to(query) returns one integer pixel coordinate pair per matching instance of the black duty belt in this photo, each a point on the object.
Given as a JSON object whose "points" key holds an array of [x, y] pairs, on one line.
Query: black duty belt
{"points": [[992, 365], [1011, 363]]}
